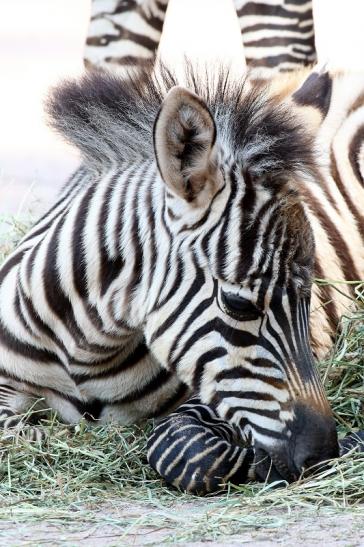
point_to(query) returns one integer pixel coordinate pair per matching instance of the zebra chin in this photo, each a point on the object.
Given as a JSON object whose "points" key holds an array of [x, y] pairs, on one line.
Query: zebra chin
{"points": [[308, 442]]}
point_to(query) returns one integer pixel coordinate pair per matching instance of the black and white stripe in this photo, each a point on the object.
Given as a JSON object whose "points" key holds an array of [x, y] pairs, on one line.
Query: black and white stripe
{"points": [[124, 33], [276, 34], [178, 260]]}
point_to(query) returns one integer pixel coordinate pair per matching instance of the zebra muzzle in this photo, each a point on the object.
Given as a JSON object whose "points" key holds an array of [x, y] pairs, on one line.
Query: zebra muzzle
{"points": [[311, 443], [270, 471]]}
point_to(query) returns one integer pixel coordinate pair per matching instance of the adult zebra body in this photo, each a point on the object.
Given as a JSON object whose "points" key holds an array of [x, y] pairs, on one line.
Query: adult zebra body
{"points": [[277, 35], [186, 267]]}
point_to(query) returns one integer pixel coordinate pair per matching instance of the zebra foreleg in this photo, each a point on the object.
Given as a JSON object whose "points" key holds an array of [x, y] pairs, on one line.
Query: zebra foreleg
{"points": [[16, 414], [195, 451]]}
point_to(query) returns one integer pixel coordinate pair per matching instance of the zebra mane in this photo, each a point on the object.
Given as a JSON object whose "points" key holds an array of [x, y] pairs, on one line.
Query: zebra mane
{"points": [[110, 118]]}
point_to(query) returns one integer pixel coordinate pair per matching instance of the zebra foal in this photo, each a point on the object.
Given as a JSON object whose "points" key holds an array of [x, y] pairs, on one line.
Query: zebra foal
{"points": [[177, 262]]}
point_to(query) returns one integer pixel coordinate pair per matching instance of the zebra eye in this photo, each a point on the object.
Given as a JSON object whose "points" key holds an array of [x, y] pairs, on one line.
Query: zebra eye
{"points": [[239, 308]]}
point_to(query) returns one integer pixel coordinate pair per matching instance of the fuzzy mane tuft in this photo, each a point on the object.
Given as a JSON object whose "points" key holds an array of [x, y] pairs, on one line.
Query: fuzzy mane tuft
{"points": [[110, 118]]}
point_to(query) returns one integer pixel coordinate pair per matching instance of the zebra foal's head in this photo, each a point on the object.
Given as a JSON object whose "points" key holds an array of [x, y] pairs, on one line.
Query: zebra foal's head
{"points": [[227, 308], [233, 166]]}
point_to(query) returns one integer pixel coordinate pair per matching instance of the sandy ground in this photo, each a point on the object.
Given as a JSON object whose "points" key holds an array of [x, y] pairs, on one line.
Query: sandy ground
{"points": [[127, 528], [41, 42]]}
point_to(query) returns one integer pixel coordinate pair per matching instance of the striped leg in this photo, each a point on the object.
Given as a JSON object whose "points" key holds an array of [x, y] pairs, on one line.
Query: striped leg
{"points": [[15, 413], [194, 450], [276, 35], [124, 33]]}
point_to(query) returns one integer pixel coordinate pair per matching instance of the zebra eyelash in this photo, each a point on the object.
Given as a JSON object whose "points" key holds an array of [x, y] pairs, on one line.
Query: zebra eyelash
{"points": [[238, 307]]}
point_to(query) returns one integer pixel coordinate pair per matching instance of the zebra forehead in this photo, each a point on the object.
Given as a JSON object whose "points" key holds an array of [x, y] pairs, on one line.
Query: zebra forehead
{"points": [[263, 236], [107, 116]]}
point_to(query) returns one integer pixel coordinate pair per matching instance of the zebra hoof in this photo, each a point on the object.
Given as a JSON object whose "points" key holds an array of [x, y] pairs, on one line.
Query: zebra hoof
{"points": [[353, 441]]}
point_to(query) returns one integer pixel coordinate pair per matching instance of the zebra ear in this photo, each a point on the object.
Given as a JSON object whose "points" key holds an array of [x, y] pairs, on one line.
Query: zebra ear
{"points": [[315, 91], [184, 136]]}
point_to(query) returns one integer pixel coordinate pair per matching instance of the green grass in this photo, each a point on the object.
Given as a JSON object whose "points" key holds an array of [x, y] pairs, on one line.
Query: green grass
{"points": [[343, 372], [66, 478]]}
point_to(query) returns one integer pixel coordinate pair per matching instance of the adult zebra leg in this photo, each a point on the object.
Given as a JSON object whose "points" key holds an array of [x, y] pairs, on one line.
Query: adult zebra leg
{"points": [[16, 418], [196, 451], [277, 36], [124, 33]]}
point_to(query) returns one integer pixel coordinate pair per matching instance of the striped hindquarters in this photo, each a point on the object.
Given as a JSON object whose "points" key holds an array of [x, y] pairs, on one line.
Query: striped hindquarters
{"points": [[332, 107], [335, 101]]}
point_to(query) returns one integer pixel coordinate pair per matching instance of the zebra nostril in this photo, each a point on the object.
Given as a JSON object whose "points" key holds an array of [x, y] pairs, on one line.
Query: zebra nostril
{"points": [[314, 441], [271, 467], [313, 461], [307, 463]]}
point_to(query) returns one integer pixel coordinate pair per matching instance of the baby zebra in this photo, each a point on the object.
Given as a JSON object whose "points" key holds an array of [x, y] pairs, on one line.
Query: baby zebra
{"points": [[178, 262]]}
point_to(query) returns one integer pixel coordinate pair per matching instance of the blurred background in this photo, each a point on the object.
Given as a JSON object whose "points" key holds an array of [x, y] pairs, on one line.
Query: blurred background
{"points": [[42, 41]]}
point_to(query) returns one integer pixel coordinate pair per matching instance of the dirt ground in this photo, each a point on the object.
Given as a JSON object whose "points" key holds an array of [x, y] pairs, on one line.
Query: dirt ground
{"points": [[126, 528]]}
